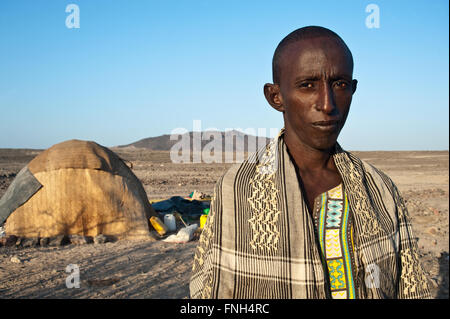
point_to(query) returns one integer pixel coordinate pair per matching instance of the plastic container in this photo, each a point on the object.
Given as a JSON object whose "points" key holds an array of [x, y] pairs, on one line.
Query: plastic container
{"points": [[185, 234], [158, 225], [170, 222], [203, 220]]}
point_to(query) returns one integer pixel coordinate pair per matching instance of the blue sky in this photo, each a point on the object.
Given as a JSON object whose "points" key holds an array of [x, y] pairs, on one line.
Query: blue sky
{"points": [[136, 69]]}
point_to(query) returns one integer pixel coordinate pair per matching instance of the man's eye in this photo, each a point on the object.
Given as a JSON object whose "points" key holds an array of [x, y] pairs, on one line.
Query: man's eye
{"points": [[308, 85], [342, 84]]}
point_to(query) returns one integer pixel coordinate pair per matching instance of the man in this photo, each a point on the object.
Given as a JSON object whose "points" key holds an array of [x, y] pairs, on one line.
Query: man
{"points": [[303, 218]]}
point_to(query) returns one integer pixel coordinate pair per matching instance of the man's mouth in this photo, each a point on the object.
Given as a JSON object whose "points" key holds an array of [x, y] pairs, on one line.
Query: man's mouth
{"points": [[326, 125]]}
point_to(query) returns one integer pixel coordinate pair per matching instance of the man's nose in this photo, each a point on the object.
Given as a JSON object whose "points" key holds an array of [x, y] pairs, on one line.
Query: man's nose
{"points": [[326, 103]]}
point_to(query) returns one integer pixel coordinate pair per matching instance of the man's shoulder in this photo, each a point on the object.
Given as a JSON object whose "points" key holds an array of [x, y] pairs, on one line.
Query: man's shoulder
{"points": [[241, 171], [232, 171], [240, 174], [373, 172]]}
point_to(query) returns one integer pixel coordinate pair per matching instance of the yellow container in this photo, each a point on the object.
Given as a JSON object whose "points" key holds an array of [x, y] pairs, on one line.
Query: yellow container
{"points": [[158, 225], [203, 220]]}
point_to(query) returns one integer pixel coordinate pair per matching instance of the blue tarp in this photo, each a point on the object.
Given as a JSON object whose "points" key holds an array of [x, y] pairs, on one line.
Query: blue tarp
{"points": [[192, 208]]}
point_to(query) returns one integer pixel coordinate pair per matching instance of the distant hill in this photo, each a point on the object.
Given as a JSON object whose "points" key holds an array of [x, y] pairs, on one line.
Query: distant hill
{"points": [[235, 140]]}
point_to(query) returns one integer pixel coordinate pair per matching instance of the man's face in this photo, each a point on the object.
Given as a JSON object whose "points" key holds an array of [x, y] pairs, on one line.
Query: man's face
{"points": [[315, 91]]}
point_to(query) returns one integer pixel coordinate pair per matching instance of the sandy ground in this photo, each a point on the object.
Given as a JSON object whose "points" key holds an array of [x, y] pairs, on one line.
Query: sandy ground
{"points": [[149, 269]]}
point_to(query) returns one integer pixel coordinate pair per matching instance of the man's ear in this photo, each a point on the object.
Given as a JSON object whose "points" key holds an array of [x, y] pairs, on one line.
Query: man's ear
{"points": [[354, 85], [273, 96]]}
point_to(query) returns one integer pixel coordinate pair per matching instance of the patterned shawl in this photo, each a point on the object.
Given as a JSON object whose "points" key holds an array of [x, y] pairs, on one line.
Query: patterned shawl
{"points": [[259, 239]]}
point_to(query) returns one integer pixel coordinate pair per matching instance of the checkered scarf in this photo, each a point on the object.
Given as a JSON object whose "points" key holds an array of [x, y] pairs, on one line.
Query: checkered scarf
{"points": [[259, 239]]}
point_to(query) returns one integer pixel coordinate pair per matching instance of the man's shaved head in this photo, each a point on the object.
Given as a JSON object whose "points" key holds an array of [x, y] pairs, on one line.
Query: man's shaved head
{"points": [[313, 87], [301, 34]]}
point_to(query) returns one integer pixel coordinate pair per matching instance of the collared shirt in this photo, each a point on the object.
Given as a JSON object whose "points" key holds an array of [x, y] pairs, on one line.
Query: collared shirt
{"points": [[333, 224]]}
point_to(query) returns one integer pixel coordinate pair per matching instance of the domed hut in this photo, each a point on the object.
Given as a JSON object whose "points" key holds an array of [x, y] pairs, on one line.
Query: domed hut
{"points": [[76, 187]]}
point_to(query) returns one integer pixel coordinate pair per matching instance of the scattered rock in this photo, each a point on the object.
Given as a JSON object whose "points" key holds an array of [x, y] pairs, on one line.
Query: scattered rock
{"points": [[79, 239], [18, 242], [57, 241], [432, 231], [425, 213], [421, 243], [100, 239], [29, 242], [43, 242], [16, 260], [8, 241]]}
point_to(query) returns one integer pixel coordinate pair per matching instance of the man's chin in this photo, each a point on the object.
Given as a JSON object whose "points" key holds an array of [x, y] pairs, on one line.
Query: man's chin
{"points": [[314, 141], [325, 145]]}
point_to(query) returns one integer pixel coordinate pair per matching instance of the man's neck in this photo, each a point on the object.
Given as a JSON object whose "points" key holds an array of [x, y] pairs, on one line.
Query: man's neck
{"points": [[316, 170], [306, 158]]}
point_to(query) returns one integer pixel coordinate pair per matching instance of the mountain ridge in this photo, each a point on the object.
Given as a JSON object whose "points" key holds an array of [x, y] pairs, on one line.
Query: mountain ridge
{"points": [[235, 140]]}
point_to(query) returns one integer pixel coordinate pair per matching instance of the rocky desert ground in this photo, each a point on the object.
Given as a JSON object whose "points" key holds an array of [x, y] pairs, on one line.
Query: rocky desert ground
{"points": [[155, 269]]}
